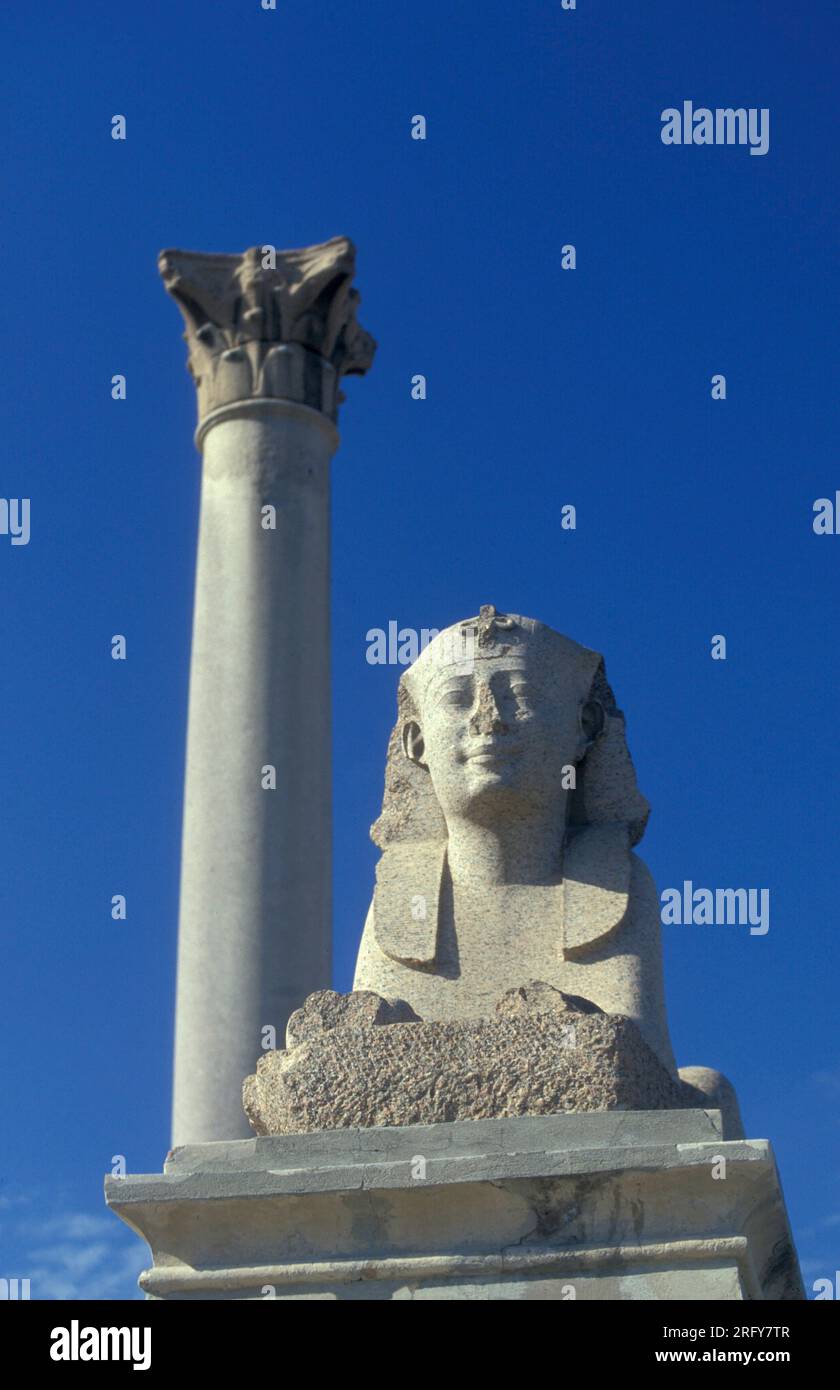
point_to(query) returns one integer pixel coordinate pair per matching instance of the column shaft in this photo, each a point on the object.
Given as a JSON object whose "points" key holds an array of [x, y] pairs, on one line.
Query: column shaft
{"points": [[270, 335], [255, 916]]}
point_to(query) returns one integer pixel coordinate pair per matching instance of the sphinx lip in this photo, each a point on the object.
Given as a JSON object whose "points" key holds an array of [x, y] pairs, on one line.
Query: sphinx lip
{"points": [[493, 753]]}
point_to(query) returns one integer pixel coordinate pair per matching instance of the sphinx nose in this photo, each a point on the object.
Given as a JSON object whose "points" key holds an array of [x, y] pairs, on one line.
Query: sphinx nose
{"points": [[486, 717]]}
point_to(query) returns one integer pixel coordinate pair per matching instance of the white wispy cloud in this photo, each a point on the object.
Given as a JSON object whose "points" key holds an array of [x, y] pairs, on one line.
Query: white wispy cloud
{"points": [[75, 1254]]}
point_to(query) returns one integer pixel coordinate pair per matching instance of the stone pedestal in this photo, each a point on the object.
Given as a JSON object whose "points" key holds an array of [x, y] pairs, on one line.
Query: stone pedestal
{"points": [[608, 1205], [270, 335]]}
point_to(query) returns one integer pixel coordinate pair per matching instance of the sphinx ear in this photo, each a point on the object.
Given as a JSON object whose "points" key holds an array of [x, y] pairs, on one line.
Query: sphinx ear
{"points": [[592, 721], [413, 744]]}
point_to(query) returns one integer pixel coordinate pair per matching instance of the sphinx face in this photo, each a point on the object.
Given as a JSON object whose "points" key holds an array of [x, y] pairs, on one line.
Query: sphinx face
{"points": [[496, 736]]}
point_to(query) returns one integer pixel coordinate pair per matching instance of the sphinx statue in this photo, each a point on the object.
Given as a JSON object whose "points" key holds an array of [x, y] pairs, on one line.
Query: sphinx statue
{"points": [[508, 882], [507, 831]]}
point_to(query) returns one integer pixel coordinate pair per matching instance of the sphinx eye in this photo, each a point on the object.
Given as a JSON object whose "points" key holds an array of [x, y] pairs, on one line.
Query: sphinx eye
{"points": [[457, 697]]}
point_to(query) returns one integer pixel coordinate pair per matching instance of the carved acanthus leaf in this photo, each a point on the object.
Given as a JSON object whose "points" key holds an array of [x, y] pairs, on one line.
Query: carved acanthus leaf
{"points": [[277, 323]]}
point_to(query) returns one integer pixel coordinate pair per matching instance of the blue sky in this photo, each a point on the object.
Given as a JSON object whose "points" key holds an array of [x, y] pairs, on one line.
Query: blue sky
{"points": [[545, 387]]}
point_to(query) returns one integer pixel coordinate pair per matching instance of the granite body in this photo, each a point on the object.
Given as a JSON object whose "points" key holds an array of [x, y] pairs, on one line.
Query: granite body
{"points": [[356, 1060], [507, 827], [507, 830], [267, 348]]}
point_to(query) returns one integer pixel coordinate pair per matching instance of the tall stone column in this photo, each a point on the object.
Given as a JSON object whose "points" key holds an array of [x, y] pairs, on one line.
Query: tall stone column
{"points": [[270, 334]]}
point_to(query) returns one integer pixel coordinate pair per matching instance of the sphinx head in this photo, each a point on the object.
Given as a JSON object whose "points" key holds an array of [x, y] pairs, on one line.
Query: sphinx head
{"points": [[503, 713], [493, 717]]}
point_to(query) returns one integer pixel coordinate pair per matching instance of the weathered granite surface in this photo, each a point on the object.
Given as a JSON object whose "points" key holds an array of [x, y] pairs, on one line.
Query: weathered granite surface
{"points": [[357, 1060]]}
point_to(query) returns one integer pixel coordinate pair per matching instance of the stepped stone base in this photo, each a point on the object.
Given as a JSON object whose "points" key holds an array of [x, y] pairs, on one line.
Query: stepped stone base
{"points": [[618, 1205]]}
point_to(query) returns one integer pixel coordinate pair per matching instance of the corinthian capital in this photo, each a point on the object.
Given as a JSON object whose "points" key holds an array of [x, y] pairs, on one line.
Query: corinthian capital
{"points": [[270, 323]]}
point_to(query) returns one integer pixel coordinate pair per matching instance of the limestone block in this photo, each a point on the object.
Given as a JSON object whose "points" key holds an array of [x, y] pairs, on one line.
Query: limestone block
{"points": [[623, 1205]]}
